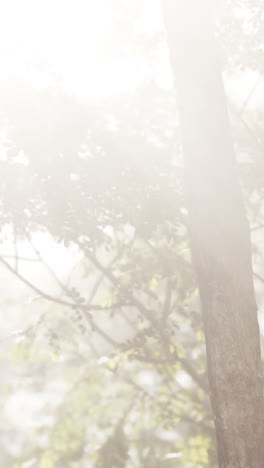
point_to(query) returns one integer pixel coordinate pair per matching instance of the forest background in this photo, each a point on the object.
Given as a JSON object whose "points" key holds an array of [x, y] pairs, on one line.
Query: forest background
{"points": [[102, 347]]}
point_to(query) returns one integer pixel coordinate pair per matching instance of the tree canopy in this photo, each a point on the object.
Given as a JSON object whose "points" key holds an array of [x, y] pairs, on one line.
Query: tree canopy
{"points": [[103, 356]]}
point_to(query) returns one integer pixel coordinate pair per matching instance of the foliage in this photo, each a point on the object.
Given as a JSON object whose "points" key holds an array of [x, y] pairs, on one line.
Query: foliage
{"points": [[116, 359]]}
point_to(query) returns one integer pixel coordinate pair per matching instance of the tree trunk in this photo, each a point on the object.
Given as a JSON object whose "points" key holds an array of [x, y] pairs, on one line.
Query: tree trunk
{"points": [[220, 237]]}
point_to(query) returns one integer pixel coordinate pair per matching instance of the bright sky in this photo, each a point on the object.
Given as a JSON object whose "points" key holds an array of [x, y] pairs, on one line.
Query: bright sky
{"points": [[69, 42]]}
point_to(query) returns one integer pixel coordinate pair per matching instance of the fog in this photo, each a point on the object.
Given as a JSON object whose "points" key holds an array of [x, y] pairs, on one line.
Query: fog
{"points": [[131, 243]]}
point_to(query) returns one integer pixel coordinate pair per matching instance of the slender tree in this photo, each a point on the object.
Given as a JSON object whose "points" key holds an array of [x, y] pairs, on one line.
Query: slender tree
{"points": [[220, 237]]}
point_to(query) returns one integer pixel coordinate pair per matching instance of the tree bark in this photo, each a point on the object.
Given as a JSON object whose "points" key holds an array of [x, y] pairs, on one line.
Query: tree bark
{"points": [[220, 237]]}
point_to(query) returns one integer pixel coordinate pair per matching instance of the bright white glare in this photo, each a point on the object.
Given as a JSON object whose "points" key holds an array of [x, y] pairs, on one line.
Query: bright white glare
{"points": [[66, 42], [27, 409]]}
